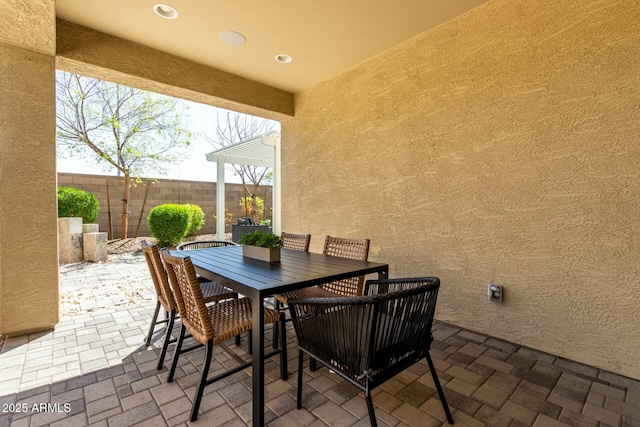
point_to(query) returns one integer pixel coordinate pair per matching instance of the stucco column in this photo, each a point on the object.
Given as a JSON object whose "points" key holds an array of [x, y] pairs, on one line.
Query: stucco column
{"points": [[28, 240]]}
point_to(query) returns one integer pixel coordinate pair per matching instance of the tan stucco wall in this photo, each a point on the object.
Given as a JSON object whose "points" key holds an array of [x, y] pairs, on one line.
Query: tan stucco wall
{"points": [[502, 147], [92, 53], [29, 24], [28, 240]]}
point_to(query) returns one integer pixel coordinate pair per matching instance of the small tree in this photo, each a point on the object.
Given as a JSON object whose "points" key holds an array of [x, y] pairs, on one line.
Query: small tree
{"points": [[119, 127], [253, 207]]}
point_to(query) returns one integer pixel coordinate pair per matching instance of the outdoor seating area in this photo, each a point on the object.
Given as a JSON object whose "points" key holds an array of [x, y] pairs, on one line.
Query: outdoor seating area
{"points": [[96, 368], [375, 214]]}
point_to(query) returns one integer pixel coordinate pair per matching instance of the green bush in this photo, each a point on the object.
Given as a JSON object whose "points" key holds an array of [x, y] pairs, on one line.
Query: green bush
{"points": [[169, 223], [77, 203], [196, 219]]}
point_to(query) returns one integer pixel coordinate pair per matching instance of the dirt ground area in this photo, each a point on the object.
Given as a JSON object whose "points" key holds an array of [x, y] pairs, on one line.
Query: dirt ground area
{"points": [[131, 245]]}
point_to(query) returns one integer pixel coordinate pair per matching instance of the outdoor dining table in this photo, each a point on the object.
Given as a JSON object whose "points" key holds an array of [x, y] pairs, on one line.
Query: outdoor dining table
{"points": [[259, 279]]}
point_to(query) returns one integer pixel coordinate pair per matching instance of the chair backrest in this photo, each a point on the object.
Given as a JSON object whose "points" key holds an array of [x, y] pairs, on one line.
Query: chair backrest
{"points": [[159, 276], [372, 337], [347, 248], [297, 242], [204, 244], [193, 311]]}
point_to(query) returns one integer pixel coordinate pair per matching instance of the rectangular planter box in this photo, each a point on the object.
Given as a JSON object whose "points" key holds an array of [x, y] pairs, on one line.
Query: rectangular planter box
{"points": [[262, 254]]}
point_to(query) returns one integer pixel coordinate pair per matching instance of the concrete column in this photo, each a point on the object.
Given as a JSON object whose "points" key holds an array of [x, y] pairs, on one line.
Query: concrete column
{"points": [[70, 240], [28, 210], [90, 228], [94, 246]]}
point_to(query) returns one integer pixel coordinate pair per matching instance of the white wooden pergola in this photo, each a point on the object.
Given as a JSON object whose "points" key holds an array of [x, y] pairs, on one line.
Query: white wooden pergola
{"points": [[261, 151]]}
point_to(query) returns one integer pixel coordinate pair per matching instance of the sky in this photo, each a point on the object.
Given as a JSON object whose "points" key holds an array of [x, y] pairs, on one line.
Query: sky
{"points": [[195, 168]]}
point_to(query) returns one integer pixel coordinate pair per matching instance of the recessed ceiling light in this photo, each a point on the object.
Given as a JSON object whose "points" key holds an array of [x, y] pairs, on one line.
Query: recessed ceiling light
{"points": [[283, 58], [165, 11], [232, 38]]}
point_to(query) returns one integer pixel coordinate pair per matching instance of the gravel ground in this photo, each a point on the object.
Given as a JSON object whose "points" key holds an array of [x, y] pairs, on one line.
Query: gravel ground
{"points": [[131, 245], [119, 250]]}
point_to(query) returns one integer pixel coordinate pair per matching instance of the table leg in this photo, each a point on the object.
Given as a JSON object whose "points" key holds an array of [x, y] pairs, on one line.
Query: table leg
{"points": [[383, 274], [257, 311]]}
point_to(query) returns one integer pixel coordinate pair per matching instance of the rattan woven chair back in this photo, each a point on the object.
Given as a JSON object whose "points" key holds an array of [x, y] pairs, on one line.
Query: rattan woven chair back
{"points": [[346, 248], [369, 339], [204, 244], [193, 310], [159, 276], [212, 324], [297, 242]]}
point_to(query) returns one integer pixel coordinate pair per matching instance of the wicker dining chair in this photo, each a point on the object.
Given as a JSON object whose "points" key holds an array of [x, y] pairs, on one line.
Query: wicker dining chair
{"points": [[212, 292], [297, 242], [367, 340], [204, 244], [213, 324], [334, 246]]}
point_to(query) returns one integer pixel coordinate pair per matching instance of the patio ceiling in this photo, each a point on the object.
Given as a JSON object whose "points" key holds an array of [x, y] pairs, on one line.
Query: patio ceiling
{"points": [[324, 38]]}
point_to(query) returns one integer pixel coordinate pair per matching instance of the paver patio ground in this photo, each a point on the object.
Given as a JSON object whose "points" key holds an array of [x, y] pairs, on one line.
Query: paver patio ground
{"points": [[93, 369]]}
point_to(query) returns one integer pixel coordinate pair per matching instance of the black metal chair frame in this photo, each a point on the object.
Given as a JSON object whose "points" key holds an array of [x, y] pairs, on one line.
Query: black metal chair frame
{"points": [[230, 310], [200, 244], [369, 339]]}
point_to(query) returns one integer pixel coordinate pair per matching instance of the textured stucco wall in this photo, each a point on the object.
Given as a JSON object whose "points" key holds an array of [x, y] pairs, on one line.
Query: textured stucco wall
{"points": [[92, 53], [29, 24], [28, 241], [502, 147]]}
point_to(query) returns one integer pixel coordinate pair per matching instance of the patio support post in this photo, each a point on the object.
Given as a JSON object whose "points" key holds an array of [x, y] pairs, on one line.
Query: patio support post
{"points": [[220, 199], [274, 141], [28, 208]]}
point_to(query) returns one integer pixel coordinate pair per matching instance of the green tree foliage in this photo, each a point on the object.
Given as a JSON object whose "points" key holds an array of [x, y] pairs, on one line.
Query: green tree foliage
{"points": [[196, 219], [253, 207], [169, 223], [134, 131], [77, 203]]}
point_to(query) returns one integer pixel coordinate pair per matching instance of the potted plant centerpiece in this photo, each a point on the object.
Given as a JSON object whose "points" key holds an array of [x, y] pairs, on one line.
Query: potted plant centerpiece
{"points": [[262, 246]]}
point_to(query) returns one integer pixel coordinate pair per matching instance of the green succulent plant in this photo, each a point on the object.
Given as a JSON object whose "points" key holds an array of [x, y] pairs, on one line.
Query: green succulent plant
{"points": [[262, 239]]}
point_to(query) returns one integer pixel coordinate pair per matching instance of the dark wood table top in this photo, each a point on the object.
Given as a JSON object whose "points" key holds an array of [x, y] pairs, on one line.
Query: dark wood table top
{"points": [[296, 269]]}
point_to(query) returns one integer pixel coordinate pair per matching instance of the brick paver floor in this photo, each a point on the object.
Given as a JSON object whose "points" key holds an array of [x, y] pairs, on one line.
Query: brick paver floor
{"points": [[93, 369]]}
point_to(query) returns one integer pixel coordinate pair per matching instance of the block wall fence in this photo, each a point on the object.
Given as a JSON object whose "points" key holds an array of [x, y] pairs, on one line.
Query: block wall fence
{"points": [[161, 191]]}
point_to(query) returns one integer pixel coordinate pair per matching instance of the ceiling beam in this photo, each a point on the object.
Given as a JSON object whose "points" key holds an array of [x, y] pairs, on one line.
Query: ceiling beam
{"points": [[89, 52]]}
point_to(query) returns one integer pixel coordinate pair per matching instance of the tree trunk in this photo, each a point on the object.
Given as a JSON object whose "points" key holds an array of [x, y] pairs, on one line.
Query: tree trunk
{"points": [[144, 202], [109, 211], [125, 205]]}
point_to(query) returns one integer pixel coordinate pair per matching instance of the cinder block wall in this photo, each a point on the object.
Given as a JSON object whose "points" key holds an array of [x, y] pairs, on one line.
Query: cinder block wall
{"points": [[160, 191]]}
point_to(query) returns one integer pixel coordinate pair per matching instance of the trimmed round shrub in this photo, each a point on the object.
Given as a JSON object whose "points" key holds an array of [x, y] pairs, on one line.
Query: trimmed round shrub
{"points": [[169, 223], [77, 203], [196, 219]]}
